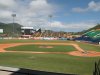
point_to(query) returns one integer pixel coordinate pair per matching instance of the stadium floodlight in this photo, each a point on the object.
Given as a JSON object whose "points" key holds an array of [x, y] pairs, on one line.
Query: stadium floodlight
{"points": [[50, 16], [13, 15]]}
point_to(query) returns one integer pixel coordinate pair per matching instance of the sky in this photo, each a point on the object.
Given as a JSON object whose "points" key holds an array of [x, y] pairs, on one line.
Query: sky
{"points": [[56, 15]]}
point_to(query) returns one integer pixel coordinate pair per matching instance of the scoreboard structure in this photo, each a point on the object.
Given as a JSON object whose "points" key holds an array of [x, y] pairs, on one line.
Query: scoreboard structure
{"points": [[27, 30], [1, 30]]}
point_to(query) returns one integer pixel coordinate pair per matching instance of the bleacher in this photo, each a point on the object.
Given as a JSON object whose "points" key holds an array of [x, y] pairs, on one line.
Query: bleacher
{"points": [[94, 34], [90, 36]]}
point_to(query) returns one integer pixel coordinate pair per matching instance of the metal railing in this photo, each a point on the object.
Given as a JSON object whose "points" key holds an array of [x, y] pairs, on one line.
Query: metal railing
{"points": [[97, 68], [22, 71]]}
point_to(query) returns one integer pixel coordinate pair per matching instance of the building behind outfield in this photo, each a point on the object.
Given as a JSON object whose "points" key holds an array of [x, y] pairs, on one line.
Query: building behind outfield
{"points": [[27, 31]]}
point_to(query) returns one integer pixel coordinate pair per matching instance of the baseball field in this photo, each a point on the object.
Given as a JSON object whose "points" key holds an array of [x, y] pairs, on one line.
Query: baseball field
{"points": [[67, 57]]}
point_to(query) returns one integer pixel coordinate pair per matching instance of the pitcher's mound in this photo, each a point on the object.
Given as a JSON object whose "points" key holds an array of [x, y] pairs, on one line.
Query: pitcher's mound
{"points": [[85, 54], [45, 46]]}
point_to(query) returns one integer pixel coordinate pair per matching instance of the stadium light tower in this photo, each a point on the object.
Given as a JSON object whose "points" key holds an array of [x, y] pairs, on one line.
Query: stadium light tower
{"points": [[50, 16], [13, 15]]}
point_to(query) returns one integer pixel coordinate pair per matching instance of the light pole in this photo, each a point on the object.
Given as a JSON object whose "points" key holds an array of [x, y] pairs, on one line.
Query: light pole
{"points": [[13, 15], [50, 16]]}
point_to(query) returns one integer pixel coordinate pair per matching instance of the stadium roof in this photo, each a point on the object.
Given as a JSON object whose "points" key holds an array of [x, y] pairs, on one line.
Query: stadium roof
{"points": [[26, 27]]}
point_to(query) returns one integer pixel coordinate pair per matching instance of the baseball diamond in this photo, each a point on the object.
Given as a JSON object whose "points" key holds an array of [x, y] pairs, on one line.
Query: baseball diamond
{"points": [[63, 57], [50, 37]]}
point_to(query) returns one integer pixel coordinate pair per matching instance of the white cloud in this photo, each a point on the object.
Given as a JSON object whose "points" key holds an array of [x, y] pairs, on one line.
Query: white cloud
{"points": [[41, 6], [7, 3], [35, 13], [56, 24], [92, 6], [27, 14], [59, 26], [5, 14]]}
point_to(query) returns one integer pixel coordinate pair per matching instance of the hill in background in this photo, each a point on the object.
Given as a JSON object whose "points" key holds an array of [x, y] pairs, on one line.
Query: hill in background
{"points": [[97, 27], [10, 28], [94, 28]]}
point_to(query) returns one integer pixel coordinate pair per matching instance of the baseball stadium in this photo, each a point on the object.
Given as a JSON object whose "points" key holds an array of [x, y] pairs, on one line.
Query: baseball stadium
{"points": [[47, 49]]}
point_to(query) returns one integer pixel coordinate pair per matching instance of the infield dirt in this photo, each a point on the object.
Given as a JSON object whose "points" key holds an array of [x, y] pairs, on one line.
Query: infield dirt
{"points": [[78, 52]]}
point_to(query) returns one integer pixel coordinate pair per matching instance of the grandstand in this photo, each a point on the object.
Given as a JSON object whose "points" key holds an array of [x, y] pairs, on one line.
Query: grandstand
{"points": [[93, 34], [48, 34], [90, 36]]}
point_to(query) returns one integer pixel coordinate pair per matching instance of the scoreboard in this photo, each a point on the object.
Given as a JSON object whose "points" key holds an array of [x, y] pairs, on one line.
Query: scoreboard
{"points": [[27, 30], [1, 30]]}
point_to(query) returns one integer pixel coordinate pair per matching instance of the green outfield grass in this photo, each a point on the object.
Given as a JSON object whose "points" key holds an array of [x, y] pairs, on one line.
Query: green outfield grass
{"points": [[89, 47], [61, 63], [37, 48], [84, 46], [30, 41], [49, 62]]}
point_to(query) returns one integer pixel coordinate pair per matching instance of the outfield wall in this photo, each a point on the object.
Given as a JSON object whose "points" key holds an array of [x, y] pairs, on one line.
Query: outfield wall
{"points": [[36, 38], [48, 38]]}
